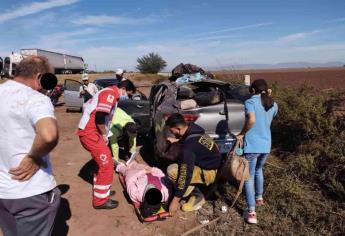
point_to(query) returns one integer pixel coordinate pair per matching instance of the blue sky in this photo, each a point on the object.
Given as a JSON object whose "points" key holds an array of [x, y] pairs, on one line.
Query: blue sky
{"points": [[215, 33]]}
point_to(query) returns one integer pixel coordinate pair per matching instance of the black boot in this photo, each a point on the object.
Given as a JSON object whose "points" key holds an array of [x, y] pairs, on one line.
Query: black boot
{"points": [[110, 204]]}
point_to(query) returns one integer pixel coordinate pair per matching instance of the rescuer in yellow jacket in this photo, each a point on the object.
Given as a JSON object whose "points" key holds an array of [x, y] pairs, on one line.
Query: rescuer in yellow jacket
{"points": [[124, 130]]}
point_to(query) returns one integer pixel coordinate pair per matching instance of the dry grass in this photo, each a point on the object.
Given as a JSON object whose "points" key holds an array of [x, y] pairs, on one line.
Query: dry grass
{"points": [[305, 175], [142, 79]]}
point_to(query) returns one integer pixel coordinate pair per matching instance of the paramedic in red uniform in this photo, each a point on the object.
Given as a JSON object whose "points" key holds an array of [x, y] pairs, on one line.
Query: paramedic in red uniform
{"points": [[93, 134]]}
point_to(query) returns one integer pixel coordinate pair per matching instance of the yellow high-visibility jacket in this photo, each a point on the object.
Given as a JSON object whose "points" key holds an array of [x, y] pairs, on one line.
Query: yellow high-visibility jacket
{"points": [[120, 119]]}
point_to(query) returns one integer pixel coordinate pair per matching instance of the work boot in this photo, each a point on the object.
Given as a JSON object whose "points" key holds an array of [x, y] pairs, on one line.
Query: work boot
{"points": [[195, 202], [110, 204]]}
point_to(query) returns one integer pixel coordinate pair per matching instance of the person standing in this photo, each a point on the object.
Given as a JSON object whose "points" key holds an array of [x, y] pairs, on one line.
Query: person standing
{"points": [[198, 162], [87, 90], [260, 110], [29, 198], [119, 75], [93, 134]]}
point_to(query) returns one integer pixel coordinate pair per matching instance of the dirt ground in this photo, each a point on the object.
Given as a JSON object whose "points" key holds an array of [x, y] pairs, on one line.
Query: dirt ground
{"points": [[320, 78], [76, 216]]}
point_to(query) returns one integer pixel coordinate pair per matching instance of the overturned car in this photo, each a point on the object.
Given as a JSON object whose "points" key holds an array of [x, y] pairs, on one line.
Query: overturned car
{"points": [[214, 105]]}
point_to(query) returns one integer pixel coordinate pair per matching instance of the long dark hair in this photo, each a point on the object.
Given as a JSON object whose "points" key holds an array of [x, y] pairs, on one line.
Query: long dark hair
{"points": [[260, 86]]}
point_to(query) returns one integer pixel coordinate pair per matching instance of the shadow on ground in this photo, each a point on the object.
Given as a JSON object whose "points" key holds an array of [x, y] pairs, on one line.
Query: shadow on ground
{"points": [[86, 172], [63, 215]]}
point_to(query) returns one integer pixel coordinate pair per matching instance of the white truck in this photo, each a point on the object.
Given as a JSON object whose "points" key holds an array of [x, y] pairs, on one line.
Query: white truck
{"points": [[62, 63]]}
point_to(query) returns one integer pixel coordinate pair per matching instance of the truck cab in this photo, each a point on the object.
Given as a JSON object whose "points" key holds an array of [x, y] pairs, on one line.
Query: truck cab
{"points": [[9, 65]]}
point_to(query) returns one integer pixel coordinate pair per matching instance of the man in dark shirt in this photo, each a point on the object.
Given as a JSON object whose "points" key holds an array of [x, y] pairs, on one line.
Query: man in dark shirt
{"points": [[198, 162]]}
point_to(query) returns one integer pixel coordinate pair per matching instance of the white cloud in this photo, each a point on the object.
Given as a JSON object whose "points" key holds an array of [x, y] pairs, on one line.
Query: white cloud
{"points": [[297, 36], [33, 8], [111, 20]]}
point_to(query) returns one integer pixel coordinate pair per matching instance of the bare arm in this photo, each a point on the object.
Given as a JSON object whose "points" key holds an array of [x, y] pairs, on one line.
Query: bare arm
{"points": [[47, 137], [101, 128], [250, 121]]}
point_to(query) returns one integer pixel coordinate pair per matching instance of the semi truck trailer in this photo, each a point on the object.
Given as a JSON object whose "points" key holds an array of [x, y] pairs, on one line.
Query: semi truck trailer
{"points": [[62, 63]]}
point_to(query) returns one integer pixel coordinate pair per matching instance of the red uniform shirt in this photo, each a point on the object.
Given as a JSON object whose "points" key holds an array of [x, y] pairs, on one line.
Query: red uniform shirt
{"points": [[104, 101]]}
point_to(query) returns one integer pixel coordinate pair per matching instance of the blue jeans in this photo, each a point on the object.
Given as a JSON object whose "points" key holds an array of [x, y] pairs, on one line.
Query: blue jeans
{"points": [[256, 163]]}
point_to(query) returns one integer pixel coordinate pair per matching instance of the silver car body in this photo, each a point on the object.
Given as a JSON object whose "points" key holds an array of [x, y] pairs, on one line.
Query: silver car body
{"points": [[212, 118]]}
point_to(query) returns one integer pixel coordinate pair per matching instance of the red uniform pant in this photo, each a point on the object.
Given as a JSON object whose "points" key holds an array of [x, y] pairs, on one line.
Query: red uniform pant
{"points": [[103, 178]]}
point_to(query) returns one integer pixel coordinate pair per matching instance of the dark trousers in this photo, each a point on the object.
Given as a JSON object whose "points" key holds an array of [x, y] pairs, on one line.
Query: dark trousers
{"points": [[29, 216]]}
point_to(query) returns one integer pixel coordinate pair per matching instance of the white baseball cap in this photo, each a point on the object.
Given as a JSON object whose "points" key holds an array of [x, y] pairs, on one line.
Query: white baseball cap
{"points": [[85, 77], [119, 72]]}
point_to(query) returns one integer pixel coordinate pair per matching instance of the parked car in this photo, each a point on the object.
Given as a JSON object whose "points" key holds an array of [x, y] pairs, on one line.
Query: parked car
{"points": [[138, 106], [222, 118]]}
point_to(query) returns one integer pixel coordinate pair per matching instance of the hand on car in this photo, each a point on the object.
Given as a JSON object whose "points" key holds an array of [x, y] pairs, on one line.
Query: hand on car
{"points": [[26, 169]]}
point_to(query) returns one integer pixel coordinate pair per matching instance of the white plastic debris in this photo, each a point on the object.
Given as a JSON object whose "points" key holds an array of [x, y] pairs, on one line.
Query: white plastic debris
{"points": [[224, 209], [204, 222]]}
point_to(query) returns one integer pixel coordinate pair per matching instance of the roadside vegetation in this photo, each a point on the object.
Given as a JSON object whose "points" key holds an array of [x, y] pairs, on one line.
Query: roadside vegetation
{"points": [[305, 174]]}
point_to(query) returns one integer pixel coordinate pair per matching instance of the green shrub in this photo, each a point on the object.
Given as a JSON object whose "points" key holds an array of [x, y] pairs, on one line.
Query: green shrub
{"points": [[305, 174]]}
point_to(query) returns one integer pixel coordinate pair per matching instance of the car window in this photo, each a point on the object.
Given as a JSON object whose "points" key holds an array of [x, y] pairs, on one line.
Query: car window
{"points": [[240, 93], [72, 85], [103, 83]]}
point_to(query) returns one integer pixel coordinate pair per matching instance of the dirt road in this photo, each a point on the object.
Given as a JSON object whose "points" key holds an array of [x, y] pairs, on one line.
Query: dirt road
{"points": [[76, 216]]}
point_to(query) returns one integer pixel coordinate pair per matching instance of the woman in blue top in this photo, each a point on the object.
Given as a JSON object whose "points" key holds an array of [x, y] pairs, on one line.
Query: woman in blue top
{"points": [[260, 110]]}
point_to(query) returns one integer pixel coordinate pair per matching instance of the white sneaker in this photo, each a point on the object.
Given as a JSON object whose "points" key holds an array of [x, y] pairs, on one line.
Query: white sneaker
{"points": [[250, 217]]}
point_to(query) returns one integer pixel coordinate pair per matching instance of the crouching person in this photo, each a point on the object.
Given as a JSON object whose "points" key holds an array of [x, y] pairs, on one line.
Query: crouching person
{"points": [[198, 162], [124, 133]]}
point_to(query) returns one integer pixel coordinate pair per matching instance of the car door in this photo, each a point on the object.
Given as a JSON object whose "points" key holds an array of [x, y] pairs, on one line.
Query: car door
{"points": [[139, 110], [71, 94]]}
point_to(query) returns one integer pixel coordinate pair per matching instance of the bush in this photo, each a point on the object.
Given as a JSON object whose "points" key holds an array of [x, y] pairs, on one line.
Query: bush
{"points": [[151, 63], [305, 174]]}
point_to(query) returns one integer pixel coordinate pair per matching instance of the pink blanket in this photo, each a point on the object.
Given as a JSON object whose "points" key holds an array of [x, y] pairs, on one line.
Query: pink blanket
{"points": [[136, 180]]}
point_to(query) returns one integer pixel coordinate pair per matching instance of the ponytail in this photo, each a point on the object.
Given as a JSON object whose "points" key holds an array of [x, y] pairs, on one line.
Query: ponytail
{"points": [[260, 87], [266, 101]]}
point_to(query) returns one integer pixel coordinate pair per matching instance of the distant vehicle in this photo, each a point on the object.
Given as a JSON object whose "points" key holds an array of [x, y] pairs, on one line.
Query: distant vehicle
{"points": [[221, 120], [138, 107], [62, 63]]}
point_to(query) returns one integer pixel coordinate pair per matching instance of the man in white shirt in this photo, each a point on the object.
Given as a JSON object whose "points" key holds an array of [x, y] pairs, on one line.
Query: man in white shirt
{"points": [[119, 75], [29, 198], [87, 90]]}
